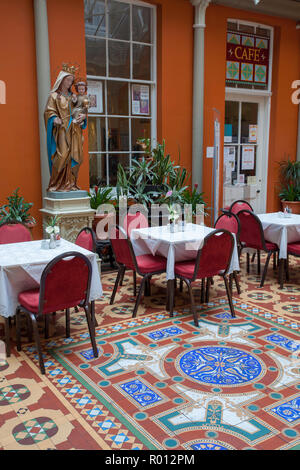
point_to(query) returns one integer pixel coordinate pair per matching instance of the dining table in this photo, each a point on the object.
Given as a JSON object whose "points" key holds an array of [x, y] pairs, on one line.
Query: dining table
{"points": [[281, 229], [181, 245], [21, 268]]}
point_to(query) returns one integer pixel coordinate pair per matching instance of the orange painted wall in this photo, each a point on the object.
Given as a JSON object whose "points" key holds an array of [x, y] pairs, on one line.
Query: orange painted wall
{"points": [[19, 141], [175, 77], [286, 69]]}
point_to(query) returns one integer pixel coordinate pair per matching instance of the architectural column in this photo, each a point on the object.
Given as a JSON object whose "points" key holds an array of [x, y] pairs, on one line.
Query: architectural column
{"points": [[43, 81], [198, 90]]}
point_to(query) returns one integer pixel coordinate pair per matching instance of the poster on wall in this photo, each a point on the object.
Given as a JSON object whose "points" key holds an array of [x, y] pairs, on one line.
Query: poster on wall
{"points": [[253, 133], [140, 99], [248, 157], [95, 94]]}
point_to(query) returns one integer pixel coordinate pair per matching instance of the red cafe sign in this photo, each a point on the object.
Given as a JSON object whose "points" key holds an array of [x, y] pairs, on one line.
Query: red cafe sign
{"points": [[247, 59]]}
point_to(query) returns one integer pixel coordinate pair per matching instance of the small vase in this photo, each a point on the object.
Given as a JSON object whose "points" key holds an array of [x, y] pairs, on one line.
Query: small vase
{"points": [[172, 227], [52, 242]]}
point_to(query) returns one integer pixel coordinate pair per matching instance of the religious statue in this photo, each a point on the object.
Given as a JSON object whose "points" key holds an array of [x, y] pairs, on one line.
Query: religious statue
{"points": [[81, 100], [64, 133]]}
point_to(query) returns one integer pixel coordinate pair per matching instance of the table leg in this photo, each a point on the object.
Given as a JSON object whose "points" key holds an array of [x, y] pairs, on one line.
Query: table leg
{"points": [[170, 294], [281, 272]]}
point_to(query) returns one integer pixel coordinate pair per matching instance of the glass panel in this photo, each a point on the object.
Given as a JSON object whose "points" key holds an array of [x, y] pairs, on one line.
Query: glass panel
{"points": [[114, 160], [231, 130], [117, 97], [98, 171], [249, 118], [141, 62], [141, 24], [95, 56], [118, 134], [94, 14], [118, 20], [96, 132], [140, 129], [119, 59]]}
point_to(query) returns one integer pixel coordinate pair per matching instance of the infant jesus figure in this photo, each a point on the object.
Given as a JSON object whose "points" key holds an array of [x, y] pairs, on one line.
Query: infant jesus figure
{"points": [[80, 101]]}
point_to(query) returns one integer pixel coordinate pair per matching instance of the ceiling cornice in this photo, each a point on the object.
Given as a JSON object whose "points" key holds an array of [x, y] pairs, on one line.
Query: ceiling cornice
{"points": [[283, 8]]}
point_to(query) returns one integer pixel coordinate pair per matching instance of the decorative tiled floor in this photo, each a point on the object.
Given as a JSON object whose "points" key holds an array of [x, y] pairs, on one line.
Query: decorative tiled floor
{"points": [[162, 383]]}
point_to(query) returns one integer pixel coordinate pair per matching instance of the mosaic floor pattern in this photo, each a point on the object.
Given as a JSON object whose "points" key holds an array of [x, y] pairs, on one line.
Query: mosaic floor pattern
{"points": [[161, 383]]}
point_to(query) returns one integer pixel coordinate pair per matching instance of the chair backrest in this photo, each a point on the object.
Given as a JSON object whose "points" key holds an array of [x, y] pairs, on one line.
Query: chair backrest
{"points": [[86, 239], [122, 248], [14, 233], [230, 222], [215, 255], [251, 231], [132, 221], [65, 282], [240, 205]]}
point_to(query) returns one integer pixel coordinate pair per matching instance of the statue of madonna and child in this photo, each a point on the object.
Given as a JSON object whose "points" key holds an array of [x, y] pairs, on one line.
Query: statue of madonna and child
{"points": [[65, 118]]}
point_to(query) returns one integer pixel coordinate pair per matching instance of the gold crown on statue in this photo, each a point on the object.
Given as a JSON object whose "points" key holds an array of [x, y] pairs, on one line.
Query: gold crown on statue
{"points": [[71, 69]]}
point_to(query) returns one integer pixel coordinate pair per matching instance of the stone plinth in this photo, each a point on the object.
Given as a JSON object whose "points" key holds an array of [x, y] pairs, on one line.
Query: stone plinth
{"points": [[73, 209]]}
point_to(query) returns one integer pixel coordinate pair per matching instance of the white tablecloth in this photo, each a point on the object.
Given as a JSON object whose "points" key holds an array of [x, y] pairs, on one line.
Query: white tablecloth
{"points": [[21, 267], [178, 246], [281, 230]]}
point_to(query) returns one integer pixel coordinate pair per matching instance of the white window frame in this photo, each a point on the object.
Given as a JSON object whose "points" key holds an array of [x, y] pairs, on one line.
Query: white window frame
{"points": [[152, 84]]}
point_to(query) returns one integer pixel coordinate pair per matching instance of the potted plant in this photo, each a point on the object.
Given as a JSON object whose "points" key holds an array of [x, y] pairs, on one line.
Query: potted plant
{"points": [[17, 211], [195, 200], [99, 195], [290, 185]]}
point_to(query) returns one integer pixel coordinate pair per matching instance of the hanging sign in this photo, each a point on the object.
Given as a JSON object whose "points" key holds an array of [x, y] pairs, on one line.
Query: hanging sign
{"points": [[140, 99], [247, 60], [253, 133]]}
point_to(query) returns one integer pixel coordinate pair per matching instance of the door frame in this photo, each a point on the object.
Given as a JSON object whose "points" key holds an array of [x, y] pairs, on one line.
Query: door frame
{"points": [[264, 110]]}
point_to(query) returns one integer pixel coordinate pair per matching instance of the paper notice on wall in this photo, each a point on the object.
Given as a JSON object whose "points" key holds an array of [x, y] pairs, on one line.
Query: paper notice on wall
{"points": [[229, 155], [248, 157], [253, 133], [140, 99], [210, 152]]}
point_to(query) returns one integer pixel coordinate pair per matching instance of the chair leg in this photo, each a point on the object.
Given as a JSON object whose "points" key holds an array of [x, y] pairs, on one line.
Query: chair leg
{"points": [[18, 329], [76, 309], [202, 290], [193, 306], [122, 276], [138, 299], [248, 263], [229, 296], [91, 330], [181, 285], [265, 269], [7, 337], [134, 283], [258, 262], [67, 323], [37, 342], [93, 316], [236, 280], [121, 269], [274, 260], [46, 326]]}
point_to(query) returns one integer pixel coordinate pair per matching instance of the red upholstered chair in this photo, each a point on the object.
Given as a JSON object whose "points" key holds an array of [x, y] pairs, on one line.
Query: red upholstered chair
{"points": [[212, 259], [240, 205], [14, 233], [65, 282], [132, 221], [293, 249], [230, 222], [252, 236], [86, 238], [145, 265]]}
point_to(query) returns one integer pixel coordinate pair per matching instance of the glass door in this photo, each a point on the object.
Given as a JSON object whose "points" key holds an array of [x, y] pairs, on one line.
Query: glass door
{"points": [[244, 139]]}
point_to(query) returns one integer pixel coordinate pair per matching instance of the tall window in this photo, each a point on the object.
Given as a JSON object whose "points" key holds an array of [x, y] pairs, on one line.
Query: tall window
{"points": [[120, 55]]}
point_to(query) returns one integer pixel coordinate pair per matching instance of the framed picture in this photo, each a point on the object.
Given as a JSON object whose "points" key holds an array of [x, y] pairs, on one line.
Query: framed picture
{"points": [[140, 99], [95, 94]]}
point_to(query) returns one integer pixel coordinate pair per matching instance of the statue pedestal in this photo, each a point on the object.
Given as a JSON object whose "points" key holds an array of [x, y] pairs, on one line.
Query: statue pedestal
{"points": [[74, 212]]}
